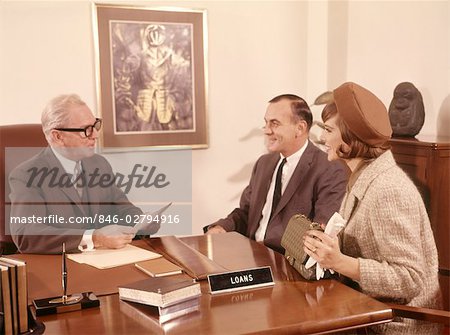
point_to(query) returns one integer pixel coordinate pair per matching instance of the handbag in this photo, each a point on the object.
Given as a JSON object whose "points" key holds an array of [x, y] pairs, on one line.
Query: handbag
{"points": [[292, 242]]}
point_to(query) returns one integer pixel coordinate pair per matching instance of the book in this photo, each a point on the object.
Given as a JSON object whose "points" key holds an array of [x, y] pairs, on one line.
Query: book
{"points": [[6, 301], [159, 267], [13, 293], [175, 311], [160, 291], [160, 315], [21, 289], [171, 312]]}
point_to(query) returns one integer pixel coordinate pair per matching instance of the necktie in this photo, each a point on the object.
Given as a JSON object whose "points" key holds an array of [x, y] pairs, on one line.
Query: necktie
{"points": [[277, 191], [77, 179]]}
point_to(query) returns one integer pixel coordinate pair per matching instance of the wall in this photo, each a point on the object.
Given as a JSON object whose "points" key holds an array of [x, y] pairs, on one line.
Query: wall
{"points": [[257, 49], [394, 41]]}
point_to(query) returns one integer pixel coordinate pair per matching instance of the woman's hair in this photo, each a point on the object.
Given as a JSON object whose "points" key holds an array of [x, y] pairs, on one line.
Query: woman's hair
{"points": [[357, 147]]}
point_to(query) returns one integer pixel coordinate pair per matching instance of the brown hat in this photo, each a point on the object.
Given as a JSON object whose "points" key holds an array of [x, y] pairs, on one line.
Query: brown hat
{"points": [[363, 113]]}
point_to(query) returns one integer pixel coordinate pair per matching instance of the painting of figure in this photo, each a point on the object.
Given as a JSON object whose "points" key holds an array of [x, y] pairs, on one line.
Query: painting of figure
{"points": [[153, 70]]}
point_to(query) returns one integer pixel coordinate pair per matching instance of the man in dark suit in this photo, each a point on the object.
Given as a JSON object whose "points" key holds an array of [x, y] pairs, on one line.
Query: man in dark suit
{"points": [[54, 201], [307, 183]]}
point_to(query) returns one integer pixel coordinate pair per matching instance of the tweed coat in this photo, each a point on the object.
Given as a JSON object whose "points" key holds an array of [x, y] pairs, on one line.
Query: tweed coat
{"points": [[388, 230], [315, 189]]}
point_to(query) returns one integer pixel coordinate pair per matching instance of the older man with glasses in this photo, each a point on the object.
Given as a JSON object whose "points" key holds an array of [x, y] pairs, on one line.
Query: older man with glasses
{"points": [[50, 213]]}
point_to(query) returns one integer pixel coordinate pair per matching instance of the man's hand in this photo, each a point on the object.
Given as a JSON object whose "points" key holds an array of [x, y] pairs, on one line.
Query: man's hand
{"points": [[215, 230], [113, 236]]}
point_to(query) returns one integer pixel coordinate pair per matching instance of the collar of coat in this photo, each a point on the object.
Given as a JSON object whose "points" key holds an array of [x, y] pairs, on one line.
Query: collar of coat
{"points": [[371, 172]]}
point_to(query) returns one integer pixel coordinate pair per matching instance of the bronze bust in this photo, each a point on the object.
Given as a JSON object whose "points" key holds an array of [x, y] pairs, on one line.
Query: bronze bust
{"points": [[406, 111]]}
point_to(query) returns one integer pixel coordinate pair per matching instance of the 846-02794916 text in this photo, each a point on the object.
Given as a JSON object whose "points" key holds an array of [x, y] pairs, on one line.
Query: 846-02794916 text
{"points": [[98, 218]]}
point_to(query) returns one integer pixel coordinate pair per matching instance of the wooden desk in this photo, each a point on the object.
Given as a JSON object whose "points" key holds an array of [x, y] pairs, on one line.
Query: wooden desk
{"points": [[291, 306]]}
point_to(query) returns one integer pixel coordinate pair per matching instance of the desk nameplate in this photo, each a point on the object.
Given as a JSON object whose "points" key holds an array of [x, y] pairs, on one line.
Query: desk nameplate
{"points": [[240, 280]]}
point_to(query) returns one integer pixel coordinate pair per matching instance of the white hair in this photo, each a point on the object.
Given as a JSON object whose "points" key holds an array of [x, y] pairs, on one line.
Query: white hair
{"points": [[56, 113]]}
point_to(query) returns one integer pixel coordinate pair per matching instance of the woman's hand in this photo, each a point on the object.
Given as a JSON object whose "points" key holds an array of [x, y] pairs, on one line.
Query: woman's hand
{"points": [[323, 248]]}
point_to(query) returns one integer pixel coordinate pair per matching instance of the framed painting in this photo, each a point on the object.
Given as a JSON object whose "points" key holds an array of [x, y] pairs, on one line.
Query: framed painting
{"points": [[151, 77]]}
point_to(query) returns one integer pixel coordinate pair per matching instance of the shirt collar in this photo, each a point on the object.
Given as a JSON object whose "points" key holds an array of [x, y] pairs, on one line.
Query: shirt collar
{"points": [[295, 157], [67, 164]]}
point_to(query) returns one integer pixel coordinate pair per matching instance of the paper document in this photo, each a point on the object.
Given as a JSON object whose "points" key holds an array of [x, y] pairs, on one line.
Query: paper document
{"points": [[109, 258], [149, 219]]}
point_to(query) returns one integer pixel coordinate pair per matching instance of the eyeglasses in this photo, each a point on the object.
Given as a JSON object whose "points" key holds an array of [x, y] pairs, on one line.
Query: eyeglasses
{"points": [[88, 131]]}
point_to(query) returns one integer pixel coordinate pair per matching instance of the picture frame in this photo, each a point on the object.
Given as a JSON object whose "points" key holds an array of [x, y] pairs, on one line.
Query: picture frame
{"points": [[151, 69]]}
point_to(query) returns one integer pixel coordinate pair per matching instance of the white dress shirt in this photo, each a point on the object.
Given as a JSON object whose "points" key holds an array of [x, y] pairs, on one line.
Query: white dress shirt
{"points": [[288, 171], [68, 165]]}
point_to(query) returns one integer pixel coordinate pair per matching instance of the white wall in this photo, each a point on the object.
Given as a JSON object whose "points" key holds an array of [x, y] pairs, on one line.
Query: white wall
{"points": [[46, 50], [257, 49], [394, 41]]}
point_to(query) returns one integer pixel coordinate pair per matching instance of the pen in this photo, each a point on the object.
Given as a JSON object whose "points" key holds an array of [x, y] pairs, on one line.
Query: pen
{"points": [[65, 300], [64, 274]]}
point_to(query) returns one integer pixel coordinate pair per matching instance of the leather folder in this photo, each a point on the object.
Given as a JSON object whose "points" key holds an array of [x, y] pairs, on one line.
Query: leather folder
{"points": [[194, 263]]}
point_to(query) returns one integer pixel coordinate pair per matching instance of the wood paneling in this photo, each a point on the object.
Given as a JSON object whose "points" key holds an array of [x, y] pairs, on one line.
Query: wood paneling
{"points": [[427, 161]]}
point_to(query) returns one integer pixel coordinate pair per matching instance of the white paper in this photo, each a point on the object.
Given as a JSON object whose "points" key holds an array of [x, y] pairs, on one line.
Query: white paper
{"points": [[109, 258], [150, 218], [333, 227]]}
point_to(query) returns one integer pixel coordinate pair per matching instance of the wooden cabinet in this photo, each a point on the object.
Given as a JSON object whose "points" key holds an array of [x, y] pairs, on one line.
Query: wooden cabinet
{"points": [[427, 161]]}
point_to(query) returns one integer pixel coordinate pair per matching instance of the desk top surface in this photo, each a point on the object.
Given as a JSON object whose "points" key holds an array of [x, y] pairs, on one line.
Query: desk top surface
{"points": [[293, 305]]}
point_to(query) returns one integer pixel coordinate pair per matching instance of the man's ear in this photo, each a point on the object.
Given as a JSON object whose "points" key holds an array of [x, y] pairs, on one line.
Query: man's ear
{"points": [[56, 137], [302, 127]]}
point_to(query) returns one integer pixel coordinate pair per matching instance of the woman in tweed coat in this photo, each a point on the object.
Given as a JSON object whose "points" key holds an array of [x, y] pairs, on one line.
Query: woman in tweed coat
{"points": [[387, 249]]}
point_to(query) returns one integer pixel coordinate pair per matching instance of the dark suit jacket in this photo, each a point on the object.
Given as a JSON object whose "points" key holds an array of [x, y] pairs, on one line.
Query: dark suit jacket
{"points": [[315, 189], [31, 198]]}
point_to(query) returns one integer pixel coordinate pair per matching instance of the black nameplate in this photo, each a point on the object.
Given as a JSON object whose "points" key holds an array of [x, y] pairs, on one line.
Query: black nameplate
{"points": [[240, 280]]}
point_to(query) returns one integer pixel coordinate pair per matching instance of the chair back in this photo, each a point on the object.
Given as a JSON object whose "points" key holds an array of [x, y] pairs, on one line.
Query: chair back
{"points": [[14, 136]]}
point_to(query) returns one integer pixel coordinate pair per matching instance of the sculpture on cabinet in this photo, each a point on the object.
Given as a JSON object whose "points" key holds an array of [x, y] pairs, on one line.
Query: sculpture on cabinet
{"points": [[406, 111]]}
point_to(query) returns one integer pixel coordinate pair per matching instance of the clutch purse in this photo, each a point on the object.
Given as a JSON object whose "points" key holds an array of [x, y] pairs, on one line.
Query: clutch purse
{"points": [[292, 242]]}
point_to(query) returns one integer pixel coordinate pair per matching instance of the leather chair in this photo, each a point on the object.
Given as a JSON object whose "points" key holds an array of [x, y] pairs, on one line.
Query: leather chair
{"points": [[18, 135]]}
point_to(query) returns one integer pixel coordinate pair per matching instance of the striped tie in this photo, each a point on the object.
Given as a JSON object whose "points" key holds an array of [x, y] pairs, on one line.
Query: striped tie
{"points": [[77, 179], [277, 191]]}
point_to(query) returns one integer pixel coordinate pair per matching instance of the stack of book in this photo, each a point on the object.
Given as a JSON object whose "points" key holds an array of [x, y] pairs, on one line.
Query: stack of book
{"points": [[171, 297], [13, 281]]}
